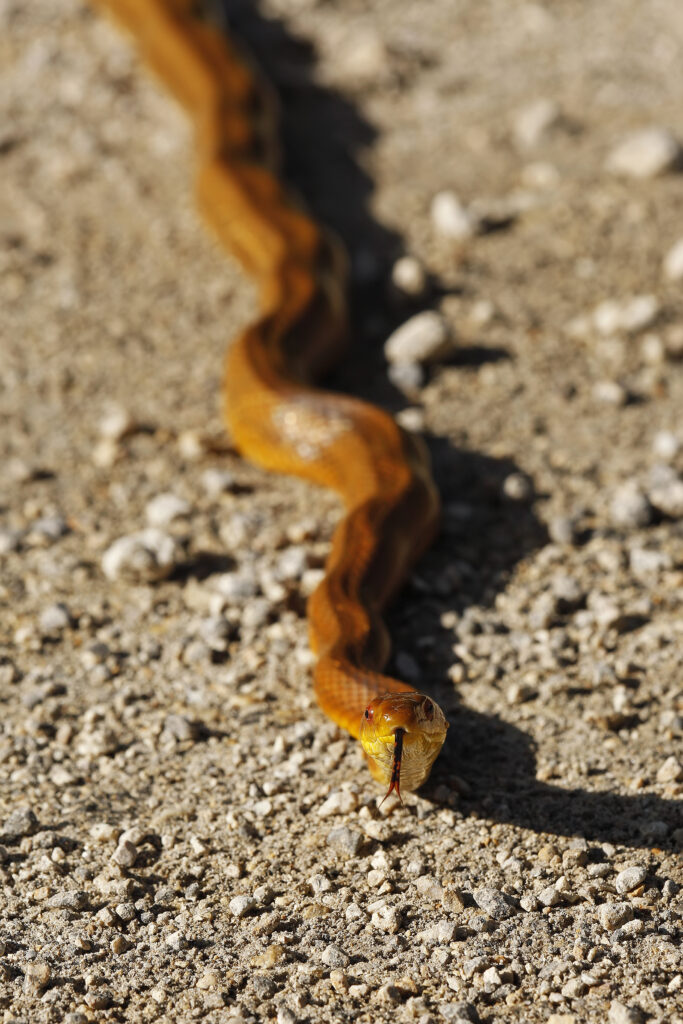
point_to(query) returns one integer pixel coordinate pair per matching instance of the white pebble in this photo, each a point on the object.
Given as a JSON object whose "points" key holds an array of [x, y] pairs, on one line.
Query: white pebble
{"points": [[424, 338], [239, 906], [645, 154], [631, 315], [411, 419], [451, 219], [217, 481], [339, 802], [673, 261], [666, 445], [141, 557], [116, 423], [55, 618], [667, 498], [165, 509], [670, 771], [408, 276], [629, 506], [630, 878], [610, 392], [535, 121]]}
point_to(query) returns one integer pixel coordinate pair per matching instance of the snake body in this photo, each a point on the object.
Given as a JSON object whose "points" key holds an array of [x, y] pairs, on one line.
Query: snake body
{"points": [[276, 417]]}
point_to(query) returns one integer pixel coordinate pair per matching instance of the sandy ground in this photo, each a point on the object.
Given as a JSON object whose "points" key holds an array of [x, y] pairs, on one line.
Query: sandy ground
{"points": [[184, 835]]}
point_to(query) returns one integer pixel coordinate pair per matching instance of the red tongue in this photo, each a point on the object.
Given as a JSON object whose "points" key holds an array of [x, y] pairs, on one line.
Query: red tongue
{"points": [[395, 784]]}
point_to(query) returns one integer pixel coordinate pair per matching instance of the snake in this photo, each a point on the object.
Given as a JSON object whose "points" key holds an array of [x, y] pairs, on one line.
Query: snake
{"points": [[276, 415]]}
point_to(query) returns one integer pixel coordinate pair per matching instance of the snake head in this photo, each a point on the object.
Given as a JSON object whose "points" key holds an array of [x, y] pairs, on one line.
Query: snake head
{"points": [[402, 734]]}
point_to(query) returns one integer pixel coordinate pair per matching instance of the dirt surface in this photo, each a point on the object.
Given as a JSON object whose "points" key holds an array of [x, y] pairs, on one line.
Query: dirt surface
{"points": [[184, 835]]}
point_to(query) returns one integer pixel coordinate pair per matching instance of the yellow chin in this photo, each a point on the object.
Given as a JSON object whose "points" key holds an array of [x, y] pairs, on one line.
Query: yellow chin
{"points": [[402, 735]]}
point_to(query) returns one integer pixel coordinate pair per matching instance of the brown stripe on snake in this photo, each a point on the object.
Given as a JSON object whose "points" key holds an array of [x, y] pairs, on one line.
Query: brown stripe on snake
{"points": [[277, 418]]}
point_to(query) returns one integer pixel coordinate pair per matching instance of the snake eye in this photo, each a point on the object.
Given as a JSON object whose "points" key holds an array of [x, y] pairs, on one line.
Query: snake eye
{"points": [[368, 713], [428, 709]]}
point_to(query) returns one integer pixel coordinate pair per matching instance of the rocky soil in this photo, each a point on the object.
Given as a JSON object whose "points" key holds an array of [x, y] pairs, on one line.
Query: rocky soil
{"points": [[183, 835]]}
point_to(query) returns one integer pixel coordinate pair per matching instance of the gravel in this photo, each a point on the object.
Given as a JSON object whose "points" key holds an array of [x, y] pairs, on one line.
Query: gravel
{"points": [[425, 338], [183, 835], [645, 154]]}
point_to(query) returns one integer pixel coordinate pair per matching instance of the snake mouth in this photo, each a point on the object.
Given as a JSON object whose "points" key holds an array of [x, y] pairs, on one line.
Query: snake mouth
{"points": [[395, 780]]}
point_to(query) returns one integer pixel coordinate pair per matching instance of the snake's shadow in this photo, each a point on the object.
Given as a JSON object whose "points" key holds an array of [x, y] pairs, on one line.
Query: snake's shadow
{"points": [[323, 136]]}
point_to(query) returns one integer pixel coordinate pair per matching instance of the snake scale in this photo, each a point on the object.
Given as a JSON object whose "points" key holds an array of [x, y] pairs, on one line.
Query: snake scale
{"points": [[275, 415]]}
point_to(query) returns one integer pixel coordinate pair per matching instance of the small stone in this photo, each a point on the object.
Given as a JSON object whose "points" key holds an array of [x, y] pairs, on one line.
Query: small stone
{"points": [[345, 840], [71, 899], [613, 915], [407, 377], [629, 507], [493, 902], [99, 998], [218, 481], [491, 978], [362, 58], [9, 540], [630, 878], [619, 1013], [518, 693], [21, 822], [645, 154], [408, 277], [670, 771], [387, 919], [126, 911], [119, 945], [645, 562], [55, 618], [451, 219], [411, 419], [562, 530], [518, 487], [143, 557], [165, 509], [181, 728], [240, 906], [630, 315], [116, 423], [339, 802], [535, 121], [37, 975], [334, 956], [549, 897], [610, 392], [125, 854], [667, 498], [666, 445], [177, 941], [389, 995], [424, 338], [673, 262], [49, 529], [574, 988], [208, 980], [440, 932]]}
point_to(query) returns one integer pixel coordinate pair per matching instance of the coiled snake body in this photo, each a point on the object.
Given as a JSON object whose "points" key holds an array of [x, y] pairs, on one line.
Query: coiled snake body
{"points": [[277, 418]]}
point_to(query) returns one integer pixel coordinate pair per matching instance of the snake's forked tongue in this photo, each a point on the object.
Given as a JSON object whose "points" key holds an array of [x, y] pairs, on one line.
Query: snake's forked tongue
{"points": [[395, 784]]}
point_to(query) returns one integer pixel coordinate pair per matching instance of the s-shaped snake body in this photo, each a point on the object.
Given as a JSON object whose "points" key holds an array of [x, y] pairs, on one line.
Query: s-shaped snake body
{"points": [[274, 414]]}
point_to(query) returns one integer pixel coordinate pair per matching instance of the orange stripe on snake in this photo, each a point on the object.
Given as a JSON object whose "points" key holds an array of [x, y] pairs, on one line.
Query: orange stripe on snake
{"points": [[274, 414]]}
